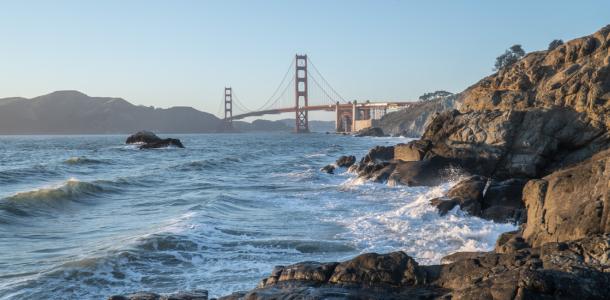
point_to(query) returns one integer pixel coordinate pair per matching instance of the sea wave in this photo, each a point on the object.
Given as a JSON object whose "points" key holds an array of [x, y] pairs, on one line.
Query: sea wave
{"points": [[27, 173], [82, 160], [47, 200], [206, 164]]}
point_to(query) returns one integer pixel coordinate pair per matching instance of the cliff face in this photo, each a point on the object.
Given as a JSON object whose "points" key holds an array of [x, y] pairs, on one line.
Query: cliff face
{"points": [[412, 122], [549, 110], [574, 75]]}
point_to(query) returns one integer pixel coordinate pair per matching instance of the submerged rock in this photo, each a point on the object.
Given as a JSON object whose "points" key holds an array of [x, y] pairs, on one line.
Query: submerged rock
{"points": [[330, 169], [150, 140]]}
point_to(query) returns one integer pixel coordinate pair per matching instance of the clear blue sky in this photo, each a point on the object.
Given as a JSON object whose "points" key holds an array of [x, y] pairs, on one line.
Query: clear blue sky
{"points": [[169, 53]]}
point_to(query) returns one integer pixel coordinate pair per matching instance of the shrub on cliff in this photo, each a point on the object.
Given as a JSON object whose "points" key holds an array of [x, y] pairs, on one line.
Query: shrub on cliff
{"points": [[510, 56], [554, 44], [434, 95]]}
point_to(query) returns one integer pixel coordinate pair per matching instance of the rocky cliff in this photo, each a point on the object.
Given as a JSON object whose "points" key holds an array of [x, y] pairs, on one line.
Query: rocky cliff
{"points": [[412, 122]]}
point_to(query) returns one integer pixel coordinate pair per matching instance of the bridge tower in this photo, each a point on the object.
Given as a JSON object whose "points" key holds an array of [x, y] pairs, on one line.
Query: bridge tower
{"points": [[228, 120], [300, 95]]}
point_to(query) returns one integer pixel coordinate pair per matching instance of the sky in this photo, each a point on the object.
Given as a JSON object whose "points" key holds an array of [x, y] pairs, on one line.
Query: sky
{"points": [[183, 53]]}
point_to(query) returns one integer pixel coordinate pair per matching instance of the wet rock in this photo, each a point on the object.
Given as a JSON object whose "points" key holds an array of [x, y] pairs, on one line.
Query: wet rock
{"points": [[571, 270], [371, 131], [429, 172], [345, 161], [379, 154], [468, 194], [499, 201], [330, 169], [150, 140], [142, 137], [162, 143], [372, 164], [503, 202], [191, 295]]}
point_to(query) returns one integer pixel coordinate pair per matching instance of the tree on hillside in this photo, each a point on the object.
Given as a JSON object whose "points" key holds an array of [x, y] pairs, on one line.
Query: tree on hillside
{"points": [[434, 95], [510, 56], [554, 44]]}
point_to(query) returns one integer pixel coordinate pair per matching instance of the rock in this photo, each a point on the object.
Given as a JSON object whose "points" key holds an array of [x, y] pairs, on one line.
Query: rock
{"points": [[330, 169], [345, 161], [372, 164], [429, 172], [468, 194], [412, 151], [142, 137], [547, 111], [571, 270], [192, 295], [413, 120], [575, 75], [371, 131], [510, 242], [569, 204], [150, 140], [162, 143], [503, 202], [394, 269]]}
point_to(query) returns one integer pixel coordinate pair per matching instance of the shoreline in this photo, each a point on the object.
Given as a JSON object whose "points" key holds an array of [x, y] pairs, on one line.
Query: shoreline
{"points": [[533, 142]]}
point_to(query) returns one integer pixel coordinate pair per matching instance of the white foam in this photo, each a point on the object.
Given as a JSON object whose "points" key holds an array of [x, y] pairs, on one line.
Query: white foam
{"points": [[409, 223]]}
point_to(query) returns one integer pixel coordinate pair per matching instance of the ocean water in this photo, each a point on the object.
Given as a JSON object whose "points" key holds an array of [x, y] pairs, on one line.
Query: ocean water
{"points": [[88, 216]]}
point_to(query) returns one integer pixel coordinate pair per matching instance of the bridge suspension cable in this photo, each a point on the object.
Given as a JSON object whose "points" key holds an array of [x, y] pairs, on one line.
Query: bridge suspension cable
{"points": [[326, 81]]}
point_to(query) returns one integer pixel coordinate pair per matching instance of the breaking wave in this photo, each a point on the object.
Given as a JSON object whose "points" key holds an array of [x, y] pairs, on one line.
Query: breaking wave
{"points": [[47, 200]]}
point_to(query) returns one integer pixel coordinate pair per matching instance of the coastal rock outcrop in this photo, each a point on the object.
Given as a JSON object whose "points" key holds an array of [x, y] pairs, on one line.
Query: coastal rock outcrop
{"points": [[569, 204], [191, 295], [149, 140], [486, 198], [371, 131], [576, 269]]}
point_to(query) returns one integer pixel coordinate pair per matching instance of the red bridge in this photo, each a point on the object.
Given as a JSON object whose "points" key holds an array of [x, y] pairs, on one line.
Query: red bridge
{"points": [[350, 116]]}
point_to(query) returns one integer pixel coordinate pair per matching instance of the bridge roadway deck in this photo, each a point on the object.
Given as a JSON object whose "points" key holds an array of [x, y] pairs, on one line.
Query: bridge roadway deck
{"points": [[327, 107]]}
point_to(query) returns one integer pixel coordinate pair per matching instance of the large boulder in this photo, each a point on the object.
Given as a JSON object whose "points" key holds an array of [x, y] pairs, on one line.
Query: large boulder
{"points": [[142, 137], [508, 144], [149, 140], [569, 204]]}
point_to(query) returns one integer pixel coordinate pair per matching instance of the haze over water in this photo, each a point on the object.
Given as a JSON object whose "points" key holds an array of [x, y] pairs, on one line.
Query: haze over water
{"points": [[88, 216]]}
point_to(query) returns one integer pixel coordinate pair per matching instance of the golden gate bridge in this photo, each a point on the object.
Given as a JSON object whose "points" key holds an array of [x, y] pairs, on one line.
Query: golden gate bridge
{"points": [[350, 116]]}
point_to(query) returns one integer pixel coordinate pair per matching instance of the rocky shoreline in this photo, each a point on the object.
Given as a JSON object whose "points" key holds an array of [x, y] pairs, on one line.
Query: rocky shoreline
{"points": [[532, 144]]}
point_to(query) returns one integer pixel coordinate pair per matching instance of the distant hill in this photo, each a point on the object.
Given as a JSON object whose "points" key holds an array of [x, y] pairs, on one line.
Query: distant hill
{"points": [[72, 112]]}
